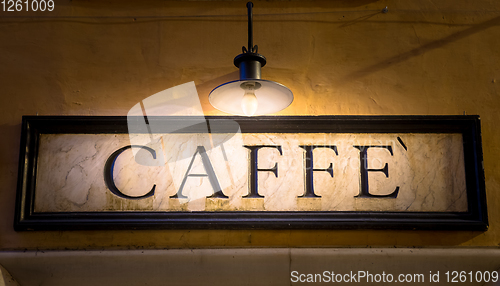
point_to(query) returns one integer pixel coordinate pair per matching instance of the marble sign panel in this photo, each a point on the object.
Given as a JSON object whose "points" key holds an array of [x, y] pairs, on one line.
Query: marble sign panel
{"points": [[392, 172]]}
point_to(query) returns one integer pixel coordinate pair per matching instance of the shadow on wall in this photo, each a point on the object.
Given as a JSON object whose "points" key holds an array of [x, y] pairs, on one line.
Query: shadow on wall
{"points": [[420, 50], [9, 149], [9, 157]]}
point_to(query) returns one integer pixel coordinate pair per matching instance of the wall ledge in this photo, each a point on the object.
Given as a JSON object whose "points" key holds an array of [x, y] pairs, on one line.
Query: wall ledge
{"points": [[248, 266]]}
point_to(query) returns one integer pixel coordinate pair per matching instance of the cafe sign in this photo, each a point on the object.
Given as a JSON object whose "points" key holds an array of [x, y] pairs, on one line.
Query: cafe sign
{"points": [[398, 172]]}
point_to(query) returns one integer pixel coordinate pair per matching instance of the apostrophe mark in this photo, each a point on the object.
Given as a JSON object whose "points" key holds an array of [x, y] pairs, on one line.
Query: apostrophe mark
{"points": [[402, 144]]}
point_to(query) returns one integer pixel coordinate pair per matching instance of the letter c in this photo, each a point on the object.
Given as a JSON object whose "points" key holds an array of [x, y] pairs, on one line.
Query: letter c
{"points": [[108, 173]]}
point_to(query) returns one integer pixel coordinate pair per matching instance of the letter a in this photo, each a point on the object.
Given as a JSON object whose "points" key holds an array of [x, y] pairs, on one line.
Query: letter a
{"points": [[210, 174]]}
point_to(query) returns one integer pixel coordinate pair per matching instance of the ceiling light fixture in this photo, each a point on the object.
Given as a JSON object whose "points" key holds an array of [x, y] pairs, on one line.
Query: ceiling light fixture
{"points": [[250, 95]]}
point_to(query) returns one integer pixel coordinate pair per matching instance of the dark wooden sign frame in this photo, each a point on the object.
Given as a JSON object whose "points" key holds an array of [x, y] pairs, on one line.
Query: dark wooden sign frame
{"points": [[469, 126]]}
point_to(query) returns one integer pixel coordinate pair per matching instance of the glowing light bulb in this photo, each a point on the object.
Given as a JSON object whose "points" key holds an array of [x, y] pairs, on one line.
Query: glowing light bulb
{"points": [[249, 103]]}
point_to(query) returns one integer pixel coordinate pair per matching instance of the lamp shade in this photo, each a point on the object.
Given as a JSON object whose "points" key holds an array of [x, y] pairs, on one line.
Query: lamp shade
{"points": [[271, 97]]}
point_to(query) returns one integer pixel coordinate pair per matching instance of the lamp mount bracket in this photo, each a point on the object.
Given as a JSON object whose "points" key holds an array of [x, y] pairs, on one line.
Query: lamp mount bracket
{"points": [[249, 62]]}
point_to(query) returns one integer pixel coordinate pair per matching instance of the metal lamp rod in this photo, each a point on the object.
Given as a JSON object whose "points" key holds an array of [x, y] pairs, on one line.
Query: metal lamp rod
{"points": [[250, 28]]}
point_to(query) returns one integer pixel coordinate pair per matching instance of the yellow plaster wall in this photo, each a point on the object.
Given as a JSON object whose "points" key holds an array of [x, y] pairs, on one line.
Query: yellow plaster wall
{"points": [[338, 57]]}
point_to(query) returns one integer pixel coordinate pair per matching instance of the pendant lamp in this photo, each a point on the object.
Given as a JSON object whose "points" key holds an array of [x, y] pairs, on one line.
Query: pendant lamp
{"points": [[250, 95]]}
